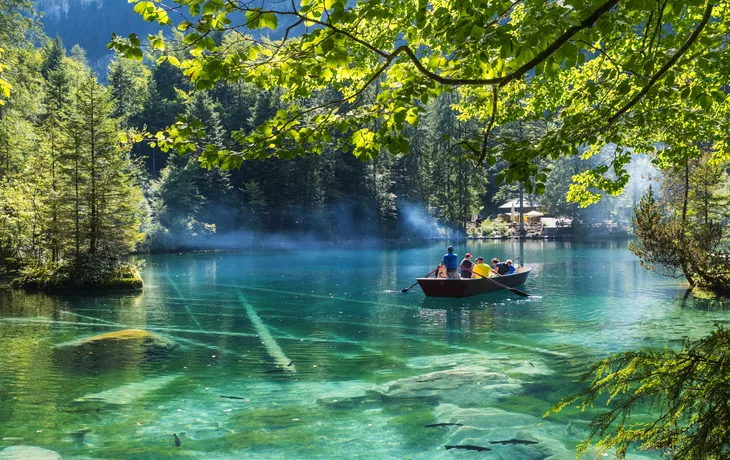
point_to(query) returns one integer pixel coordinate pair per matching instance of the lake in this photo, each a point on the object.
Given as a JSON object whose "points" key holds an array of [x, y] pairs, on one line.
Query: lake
{"points": [[319, 355]]}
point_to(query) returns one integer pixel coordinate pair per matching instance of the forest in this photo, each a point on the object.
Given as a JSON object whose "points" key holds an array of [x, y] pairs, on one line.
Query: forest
{"points": [[79, 177]]}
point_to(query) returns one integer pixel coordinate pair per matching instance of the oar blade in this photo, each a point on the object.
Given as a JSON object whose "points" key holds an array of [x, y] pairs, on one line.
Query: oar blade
{"points": [[518, 292]]}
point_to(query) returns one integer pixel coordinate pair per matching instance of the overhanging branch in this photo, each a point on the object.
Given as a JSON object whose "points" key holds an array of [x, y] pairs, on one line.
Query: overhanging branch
{"points": [[667, 65]]}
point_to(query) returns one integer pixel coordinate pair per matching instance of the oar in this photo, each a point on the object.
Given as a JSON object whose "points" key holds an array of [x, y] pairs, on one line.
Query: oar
{"points": [[511, 289], [406, 289]]}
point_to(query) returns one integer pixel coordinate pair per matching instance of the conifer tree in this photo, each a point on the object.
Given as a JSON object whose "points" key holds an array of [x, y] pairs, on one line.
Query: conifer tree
{"points": [[114, 200]]}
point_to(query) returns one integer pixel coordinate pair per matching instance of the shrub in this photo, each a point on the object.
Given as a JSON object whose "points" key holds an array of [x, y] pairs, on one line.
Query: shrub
{"points": [[496, 227]]}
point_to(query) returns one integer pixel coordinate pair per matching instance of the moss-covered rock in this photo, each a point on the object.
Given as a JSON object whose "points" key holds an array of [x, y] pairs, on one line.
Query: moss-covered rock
{"points": [[146, 338], [126, 349]]}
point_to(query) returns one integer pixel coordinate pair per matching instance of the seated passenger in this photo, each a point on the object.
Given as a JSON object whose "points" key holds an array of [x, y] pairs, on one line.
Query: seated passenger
{"points": [[511, 267], [481, 269], [466, 266], [441, 273], [496, 267]]}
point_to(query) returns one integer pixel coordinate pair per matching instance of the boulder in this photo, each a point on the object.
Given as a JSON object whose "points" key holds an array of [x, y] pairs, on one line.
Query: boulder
{"points": [[129, 393], [462, 385], [28, 453], [124, 336]]}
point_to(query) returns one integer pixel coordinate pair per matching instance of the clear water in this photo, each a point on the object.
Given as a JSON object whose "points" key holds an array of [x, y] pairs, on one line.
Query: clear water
{"points": [[370, 366]]}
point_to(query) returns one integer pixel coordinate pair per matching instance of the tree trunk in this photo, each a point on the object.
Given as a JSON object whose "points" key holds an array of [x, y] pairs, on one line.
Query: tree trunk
{"points": [[93, 222], [522, 210], [685, 201]]}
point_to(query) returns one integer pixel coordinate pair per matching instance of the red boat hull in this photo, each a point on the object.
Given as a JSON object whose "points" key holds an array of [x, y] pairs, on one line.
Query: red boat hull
{"points": [[467, 287]]}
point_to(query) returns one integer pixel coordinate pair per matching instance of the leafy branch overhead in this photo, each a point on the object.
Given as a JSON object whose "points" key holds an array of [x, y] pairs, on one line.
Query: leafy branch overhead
{"points": [[649, 76]]}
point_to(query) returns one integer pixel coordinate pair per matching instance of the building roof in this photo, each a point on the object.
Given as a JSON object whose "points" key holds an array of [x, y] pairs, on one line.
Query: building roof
{"points": [[527, 203]]}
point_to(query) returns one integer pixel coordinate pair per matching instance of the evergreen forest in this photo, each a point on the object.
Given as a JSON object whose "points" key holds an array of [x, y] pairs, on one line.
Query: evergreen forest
{"points": [[77, 177]]}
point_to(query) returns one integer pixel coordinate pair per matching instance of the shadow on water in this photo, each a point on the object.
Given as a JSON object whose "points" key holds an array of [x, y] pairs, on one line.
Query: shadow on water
{"points": [[479, 302], [698, 300]]}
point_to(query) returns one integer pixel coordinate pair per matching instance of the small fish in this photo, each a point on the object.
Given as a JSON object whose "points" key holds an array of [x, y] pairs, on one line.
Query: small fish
{"points": [[232, 397], [177, 440], [274, 371], [469, 447], [531, 364], [514, 442], [290, 364], [433, 425]]}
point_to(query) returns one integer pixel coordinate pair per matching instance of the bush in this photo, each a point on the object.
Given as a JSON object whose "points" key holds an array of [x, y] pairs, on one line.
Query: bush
{"points": [[496, 227], [88, 273]]}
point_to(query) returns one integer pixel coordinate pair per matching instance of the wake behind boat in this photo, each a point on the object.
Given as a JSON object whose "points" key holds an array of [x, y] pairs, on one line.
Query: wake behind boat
{"points": [[467, 287]]}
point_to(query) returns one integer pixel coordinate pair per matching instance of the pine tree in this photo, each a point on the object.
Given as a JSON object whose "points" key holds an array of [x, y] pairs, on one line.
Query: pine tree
{"points": [[55, 127], [113, 197], [54, 54], [128, 85]]}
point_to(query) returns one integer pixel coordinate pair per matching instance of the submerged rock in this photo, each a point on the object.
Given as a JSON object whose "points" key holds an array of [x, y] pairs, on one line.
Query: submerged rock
{"points": [[131, 392], [462, 385], [146, 338], [28, 453], [495, 362]]}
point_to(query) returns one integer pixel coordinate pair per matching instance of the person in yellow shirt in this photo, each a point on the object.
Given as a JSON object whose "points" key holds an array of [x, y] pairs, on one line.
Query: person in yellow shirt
{"points": [[481, 269]]}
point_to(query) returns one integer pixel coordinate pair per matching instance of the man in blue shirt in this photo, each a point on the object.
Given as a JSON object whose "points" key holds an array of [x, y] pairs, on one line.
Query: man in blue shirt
{"points": [[451, 262]]}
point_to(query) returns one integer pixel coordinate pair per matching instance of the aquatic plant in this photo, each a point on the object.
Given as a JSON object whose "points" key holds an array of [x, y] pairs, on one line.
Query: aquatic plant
{"points": [[686, 392]]}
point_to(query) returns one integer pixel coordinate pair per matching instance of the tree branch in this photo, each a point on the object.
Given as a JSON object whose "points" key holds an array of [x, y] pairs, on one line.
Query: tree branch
{"points": [[489, 125], [501, 81], [668, 65]]}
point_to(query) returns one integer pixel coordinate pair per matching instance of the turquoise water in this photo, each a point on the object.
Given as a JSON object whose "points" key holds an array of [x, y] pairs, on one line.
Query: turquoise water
{"points": [[328, 358]]}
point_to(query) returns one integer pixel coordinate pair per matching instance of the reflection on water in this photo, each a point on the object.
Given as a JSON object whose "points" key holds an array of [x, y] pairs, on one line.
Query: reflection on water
{"points": [[311, 354]]}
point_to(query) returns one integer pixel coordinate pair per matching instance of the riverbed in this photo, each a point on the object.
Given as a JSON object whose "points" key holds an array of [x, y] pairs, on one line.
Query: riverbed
{"points": [[315, 353]]}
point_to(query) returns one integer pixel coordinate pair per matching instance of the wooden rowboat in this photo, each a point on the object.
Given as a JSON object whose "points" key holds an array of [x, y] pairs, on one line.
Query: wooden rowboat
{"points": [[467, 287]]}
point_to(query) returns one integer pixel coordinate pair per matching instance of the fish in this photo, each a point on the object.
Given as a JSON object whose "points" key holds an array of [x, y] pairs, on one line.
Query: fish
{"points": [[469, 447], [290, 364], [433, 425], [531, 364], [514, 442], [177, 440], [232, 397], [275, 371]]}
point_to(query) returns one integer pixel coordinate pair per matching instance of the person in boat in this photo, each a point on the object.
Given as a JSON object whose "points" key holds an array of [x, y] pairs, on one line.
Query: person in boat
{"points": [[500, 269], [480, 268], [451, 261], [511, 267], [466, 266], [441, 271]]}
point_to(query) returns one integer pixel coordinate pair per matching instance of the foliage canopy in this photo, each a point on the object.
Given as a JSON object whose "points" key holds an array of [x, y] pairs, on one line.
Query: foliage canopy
{"points": [[687, 391], [647, 76]]}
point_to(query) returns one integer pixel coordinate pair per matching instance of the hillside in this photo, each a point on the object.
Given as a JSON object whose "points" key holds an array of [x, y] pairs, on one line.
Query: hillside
{"points": [[89, 23]]}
